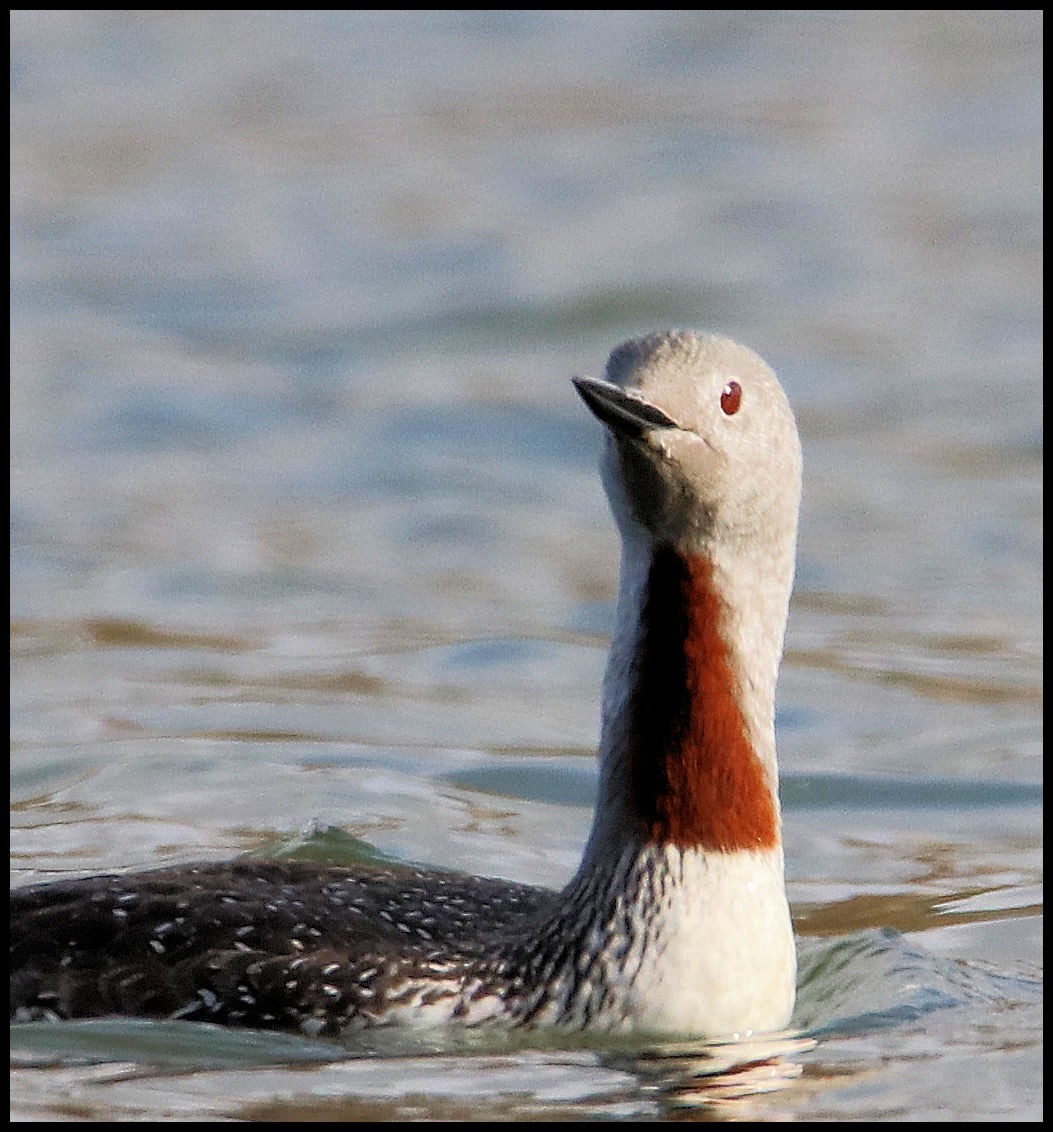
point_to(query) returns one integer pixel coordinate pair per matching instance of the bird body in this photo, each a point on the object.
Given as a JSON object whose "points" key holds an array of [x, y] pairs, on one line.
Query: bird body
{"points": [[676, 921]]}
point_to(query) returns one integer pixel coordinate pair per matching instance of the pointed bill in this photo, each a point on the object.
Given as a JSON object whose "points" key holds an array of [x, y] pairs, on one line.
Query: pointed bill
{"points": [[621, 412]]}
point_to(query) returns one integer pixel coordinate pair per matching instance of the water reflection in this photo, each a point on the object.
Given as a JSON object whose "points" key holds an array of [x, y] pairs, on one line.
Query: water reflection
{"points": [[718, 1078]]}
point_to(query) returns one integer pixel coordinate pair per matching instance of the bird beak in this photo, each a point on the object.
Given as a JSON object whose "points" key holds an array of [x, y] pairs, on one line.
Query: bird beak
{"points": [[624, 414]]}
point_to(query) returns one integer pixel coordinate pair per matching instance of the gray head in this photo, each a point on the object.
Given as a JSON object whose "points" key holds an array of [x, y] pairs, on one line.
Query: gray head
{"points": [[702, 447]]}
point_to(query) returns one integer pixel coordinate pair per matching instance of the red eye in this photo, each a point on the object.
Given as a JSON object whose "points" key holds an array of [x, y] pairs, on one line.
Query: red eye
{"points": [[731, 398]]}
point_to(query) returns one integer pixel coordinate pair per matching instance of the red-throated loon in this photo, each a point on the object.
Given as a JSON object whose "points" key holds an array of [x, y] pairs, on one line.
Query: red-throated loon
{"points": [[676, 921]]}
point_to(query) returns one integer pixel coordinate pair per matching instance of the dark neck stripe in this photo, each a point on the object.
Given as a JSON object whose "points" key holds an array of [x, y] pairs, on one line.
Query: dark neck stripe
{"points": [[695, 780]]}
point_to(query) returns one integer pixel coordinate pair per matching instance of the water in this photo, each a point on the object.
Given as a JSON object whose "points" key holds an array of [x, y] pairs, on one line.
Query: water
{"points": [[308, 544]]}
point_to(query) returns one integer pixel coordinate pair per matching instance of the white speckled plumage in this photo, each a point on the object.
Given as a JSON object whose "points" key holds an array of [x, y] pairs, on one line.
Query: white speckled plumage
{"points": [[676, 921]]}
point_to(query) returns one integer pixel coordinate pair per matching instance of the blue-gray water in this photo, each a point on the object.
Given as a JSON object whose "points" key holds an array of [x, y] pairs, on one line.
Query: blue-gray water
{"points": [[306, 530]]}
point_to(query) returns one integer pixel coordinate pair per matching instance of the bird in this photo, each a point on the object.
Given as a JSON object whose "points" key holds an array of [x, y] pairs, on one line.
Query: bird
{"points": [[676, 922]]}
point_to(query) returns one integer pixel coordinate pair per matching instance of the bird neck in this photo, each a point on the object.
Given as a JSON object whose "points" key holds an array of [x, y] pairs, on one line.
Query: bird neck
{"points": [[688, 742], [677, 916], [676, 919]]}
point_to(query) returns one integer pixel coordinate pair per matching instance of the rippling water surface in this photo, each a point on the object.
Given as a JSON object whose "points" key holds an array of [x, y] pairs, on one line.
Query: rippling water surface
{"points": [[309, 550]]}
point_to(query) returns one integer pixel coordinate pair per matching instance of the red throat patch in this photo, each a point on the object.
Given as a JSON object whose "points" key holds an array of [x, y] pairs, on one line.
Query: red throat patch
{"points": [[694, 778]]}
